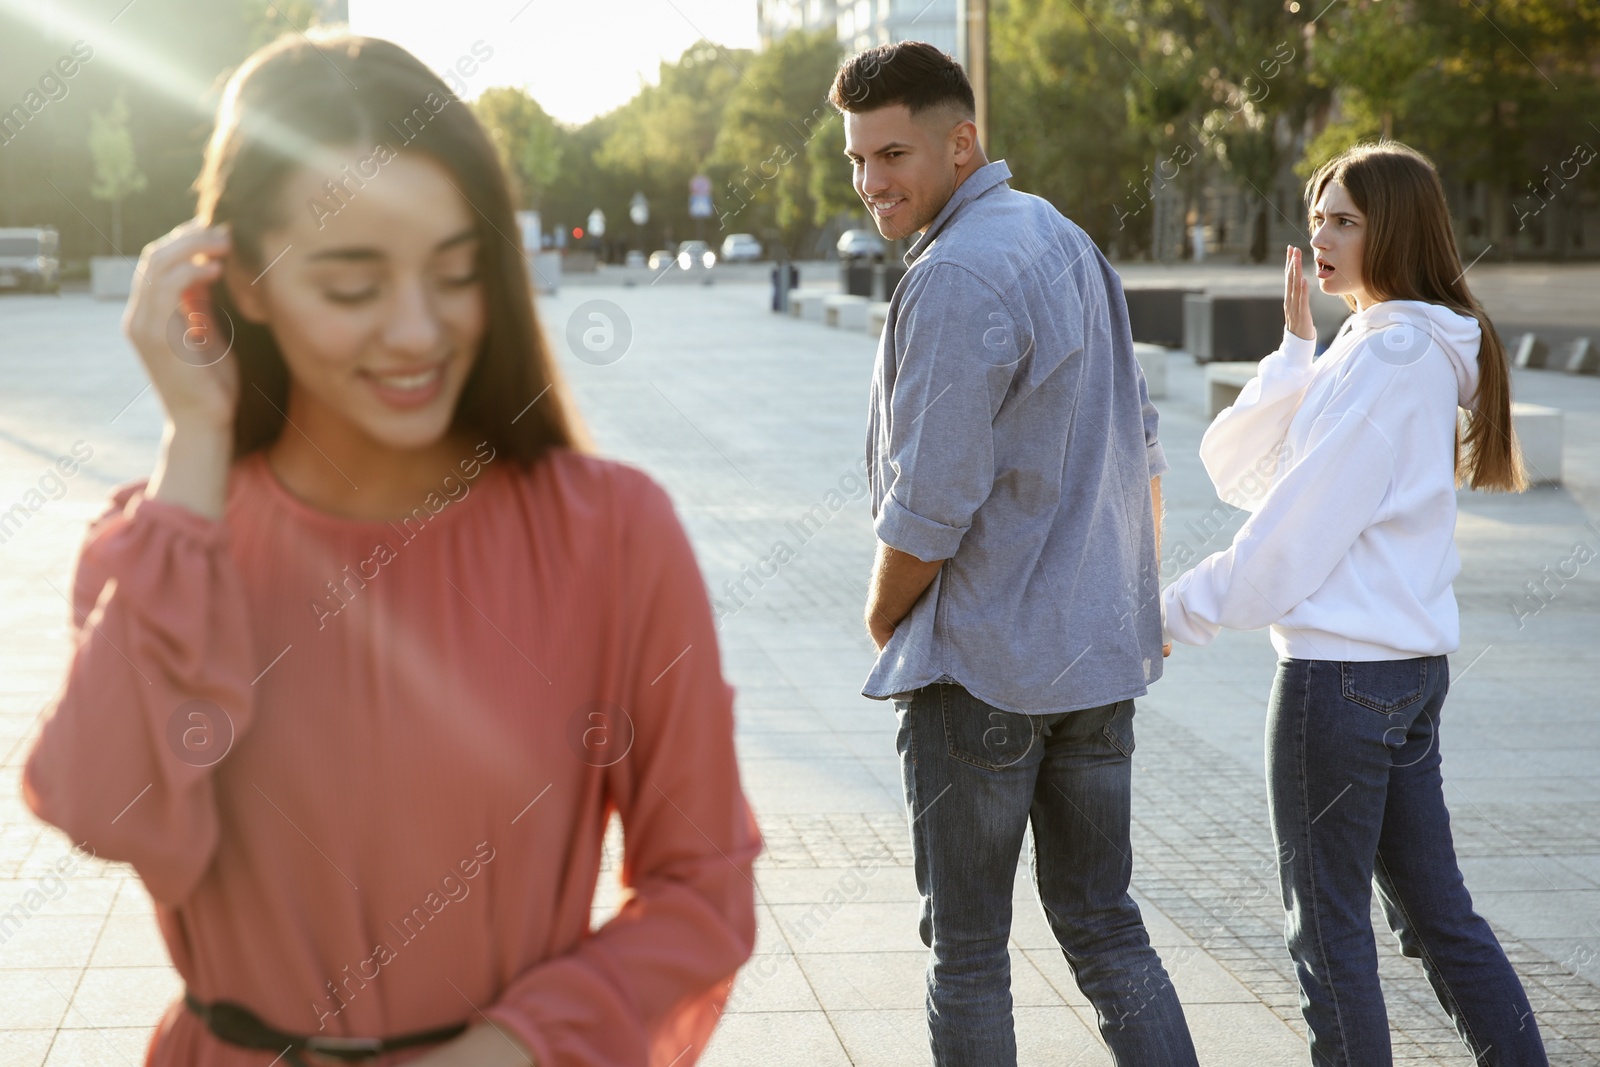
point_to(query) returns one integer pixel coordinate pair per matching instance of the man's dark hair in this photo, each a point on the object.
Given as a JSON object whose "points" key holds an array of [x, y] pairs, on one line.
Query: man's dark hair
{"points": [[912, 73]]}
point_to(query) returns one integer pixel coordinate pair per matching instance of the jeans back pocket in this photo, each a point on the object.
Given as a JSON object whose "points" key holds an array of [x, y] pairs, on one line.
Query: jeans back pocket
{"points": [[983, 735], [1384, 685]]}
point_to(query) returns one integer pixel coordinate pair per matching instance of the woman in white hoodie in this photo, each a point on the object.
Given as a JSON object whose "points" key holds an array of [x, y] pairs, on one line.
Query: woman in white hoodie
{"points": [[1349, 464]]}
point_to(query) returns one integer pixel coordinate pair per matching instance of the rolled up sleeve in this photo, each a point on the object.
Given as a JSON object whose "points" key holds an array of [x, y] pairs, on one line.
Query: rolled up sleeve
{"points": [[956, 352], [1152, 423]]}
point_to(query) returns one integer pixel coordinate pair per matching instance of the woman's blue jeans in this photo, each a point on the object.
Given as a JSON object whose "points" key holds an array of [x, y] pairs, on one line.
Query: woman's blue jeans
{"points": [[975, 777], [1356, 797]]}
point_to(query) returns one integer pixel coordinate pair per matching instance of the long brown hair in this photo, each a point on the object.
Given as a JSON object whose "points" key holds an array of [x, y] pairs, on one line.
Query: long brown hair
{"points": [[295, 102], [1410, 254]]}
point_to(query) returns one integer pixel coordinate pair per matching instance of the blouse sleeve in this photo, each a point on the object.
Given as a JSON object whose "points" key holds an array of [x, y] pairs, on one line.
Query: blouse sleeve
{"points": [[648, 987], [157, 689], [1243, 448]]}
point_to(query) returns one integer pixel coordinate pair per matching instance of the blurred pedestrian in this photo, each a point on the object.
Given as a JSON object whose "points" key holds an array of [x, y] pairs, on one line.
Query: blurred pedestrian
{"points": [[364, 668]]}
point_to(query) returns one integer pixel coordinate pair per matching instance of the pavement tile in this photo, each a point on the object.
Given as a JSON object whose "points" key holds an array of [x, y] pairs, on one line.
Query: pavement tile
{"points": [[101, 1047], [875, 882], [122, 997], [778, 1039], [24, 1048], [772, 982], [52, 941], [853, 981], [846, 926], [32, 999]]}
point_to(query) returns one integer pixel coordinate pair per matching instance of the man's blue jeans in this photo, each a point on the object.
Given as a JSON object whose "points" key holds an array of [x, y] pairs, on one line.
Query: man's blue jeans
{"points": [[975, 777], [1356, 797]]}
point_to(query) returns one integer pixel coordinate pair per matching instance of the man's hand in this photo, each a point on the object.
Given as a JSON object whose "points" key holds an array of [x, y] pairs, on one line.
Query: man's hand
{"points": [[879, 632], [898, 581]]}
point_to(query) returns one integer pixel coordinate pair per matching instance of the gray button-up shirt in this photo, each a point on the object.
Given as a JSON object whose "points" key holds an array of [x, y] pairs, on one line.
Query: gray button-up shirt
{"points": [[1011, 435]]}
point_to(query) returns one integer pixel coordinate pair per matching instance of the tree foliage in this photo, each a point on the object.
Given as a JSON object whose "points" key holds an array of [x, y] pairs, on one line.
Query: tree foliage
{"points": [[1117, 111], [530, 143]]}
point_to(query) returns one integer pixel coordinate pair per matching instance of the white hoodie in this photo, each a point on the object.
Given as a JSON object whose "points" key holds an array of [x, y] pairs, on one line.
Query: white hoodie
{"points": [[1348, 465]]}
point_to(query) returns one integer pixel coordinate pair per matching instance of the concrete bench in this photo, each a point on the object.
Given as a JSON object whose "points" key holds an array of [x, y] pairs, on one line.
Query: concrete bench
{"points": [[1221, 327], [849, 312], [1529, 352], [1538, 431], [1155, 314], [808, 303], [1582, 357], [1153, 363], [1224, 382], [877, 317]]}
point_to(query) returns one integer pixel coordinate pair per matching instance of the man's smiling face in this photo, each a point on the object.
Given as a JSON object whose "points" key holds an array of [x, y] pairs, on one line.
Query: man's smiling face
{"points": [[906, 167]]}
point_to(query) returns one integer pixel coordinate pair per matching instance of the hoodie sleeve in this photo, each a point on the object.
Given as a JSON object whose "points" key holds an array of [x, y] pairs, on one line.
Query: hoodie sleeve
{"points": [[1299, 533], [1243, 448]]}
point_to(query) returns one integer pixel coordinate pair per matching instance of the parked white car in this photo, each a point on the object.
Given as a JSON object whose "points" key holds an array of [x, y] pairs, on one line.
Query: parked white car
{"points": [[860, 244], [741, 247], [28, 259]]}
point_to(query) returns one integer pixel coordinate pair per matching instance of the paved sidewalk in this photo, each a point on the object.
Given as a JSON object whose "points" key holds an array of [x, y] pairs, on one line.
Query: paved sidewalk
{"points": [[755, 423]]}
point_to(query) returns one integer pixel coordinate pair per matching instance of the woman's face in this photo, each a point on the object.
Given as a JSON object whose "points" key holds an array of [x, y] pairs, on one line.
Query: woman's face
{"points": [[374, 298], [1339, 233]]}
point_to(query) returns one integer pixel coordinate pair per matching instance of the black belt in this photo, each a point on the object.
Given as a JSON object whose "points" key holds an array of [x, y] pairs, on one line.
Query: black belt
{"points": [[238, 1025]]}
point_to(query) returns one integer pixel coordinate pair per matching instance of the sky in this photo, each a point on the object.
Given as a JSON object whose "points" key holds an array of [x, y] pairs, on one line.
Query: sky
{"points": [[577, 58]]}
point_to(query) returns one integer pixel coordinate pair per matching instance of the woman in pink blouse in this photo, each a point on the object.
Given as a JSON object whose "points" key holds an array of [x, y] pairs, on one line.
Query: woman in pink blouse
{"points": [[363, 669]]}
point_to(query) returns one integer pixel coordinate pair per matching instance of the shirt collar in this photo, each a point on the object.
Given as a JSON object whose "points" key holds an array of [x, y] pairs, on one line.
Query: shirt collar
{"points": [[978, 182]]}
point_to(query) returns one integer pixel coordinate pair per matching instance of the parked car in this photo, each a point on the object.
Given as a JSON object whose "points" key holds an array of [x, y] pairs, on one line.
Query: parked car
{"points": [[28, 259], [634, 258], [860, 244], [737, 247], [693, 254], [662, 258]]}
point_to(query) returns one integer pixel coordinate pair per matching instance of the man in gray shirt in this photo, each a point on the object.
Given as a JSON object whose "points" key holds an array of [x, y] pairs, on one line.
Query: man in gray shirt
{"points": [[1014, 473]]}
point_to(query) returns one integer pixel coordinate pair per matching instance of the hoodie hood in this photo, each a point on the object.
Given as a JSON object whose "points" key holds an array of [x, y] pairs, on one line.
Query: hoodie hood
{"points": [[1457, 336]]}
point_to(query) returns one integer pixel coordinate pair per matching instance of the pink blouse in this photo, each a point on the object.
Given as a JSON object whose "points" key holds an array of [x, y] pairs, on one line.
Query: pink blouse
{"points": [[364, 768]]}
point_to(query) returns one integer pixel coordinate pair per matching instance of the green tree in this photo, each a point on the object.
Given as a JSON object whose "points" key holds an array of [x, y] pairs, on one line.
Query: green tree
{"points": [[116, 171], [530, 143], [762, 166], [1061, 85], [1495, 91]]}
